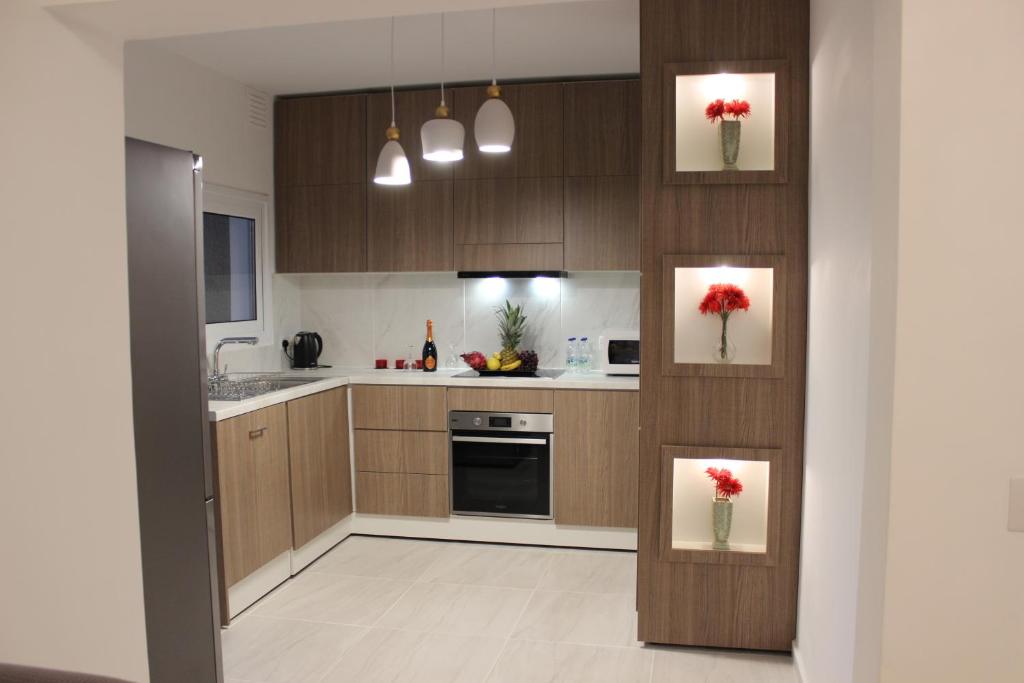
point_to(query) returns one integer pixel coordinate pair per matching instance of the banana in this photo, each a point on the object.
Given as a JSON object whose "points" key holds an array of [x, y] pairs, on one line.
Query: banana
{"points": [[512, 366]]}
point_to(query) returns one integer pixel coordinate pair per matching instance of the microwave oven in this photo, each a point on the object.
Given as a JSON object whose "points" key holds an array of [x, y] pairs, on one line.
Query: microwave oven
{"points": [[619, 352]]}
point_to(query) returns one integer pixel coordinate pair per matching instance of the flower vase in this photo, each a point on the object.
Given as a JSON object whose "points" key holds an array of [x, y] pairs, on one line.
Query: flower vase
{"points": [[729, 131], [724, 350], [721, 522]]}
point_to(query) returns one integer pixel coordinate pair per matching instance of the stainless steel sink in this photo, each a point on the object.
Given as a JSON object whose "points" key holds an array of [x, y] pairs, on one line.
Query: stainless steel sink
{"points": [[240, 388]]}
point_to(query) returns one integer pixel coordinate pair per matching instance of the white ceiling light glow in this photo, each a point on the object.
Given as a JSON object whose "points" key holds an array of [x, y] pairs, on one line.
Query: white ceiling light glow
{"points": [[494, 127], [441, 136], [392, 165]]}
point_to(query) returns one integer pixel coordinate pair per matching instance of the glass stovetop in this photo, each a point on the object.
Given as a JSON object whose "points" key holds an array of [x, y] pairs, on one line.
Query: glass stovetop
{"points": [[540, 374]]}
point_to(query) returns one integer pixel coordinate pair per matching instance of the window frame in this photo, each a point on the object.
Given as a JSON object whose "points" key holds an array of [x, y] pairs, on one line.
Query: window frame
{"points": [[254, 206]]}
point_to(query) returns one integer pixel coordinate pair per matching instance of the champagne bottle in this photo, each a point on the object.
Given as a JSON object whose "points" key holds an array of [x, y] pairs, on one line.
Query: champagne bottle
{"points": [[430, 350]]}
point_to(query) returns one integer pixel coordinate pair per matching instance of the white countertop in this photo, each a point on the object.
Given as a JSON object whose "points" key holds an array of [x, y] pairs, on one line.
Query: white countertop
{"points": [[328, 378]]}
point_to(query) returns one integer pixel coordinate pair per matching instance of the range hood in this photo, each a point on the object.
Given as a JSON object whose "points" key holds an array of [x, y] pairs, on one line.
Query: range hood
{"points": [[470, 274]]}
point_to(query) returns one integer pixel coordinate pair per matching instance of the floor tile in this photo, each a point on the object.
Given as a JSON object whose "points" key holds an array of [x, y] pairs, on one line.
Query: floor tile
{"points": [[284, 651], [533, 661], [584, 618], [384, 558], [591, 572], [704, 666], [413, 657], [335, 599], [448, 608], [489, 565]]}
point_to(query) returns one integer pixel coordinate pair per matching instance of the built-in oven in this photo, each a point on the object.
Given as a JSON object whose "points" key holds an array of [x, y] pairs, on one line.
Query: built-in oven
{"points": [[501, 464]]}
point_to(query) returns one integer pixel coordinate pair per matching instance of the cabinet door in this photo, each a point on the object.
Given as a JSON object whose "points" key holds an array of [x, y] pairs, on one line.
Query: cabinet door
{"points": [[321, 474], [602, 223], [537, 147], [252, 490], [597, 446], [383, 450], [413, 108], [321, 229], [415, 495], [508, 211], [409, 227], [602, 128], [397, 407], [320, 140]]}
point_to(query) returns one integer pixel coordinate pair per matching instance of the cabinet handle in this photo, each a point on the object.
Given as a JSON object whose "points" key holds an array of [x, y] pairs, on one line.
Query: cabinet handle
{"points": [[255, 433]]}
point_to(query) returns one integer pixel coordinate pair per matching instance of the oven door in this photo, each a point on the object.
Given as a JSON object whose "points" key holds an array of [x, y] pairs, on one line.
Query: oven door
{"points": [[501, 475]]}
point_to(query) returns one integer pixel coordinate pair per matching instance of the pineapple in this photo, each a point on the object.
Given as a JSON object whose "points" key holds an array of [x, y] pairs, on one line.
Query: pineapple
{"points": [[511, 328]]}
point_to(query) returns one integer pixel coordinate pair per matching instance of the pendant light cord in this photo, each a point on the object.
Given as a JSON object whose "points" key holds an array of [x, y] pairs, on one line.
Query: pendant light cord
{"points": [[392, 72], [442, 59], [494, 49]]}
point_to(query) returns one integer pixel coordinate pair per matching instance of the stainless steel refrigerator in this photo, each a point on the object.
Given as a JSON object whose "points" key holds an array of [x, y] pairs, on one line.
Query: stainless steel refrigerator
{"points": [[169, 394]]}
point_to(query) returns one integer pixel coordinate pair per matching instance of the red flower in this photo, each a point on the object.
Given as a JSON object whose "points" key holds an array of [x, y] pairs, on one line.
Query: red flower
{"points": [[738, 109], [726, 485], [723, 299], [715, 111]]}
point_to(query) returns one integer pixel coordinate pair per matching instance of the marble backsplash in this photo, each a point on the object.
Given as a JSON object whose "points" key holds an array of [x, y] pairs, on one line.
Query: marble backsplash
{"points": [[362, 317]]}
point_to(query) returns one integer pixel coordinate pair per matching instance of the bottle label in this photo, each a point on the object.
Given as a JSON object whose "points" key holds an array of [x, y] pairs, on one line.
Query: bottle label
{"points": [[430, 363]]}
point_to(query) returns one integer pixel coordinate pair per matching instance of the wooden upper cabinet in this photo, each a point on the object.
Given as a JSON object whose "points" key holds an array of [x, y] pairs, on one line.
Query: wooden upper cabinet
{"points": [[413, 108], [508, 211], [597, 468], [320, 140], [321, 477], [602, 223], [409, 227], [253, 494], [602, 128], [537, 147], [321, 229]]}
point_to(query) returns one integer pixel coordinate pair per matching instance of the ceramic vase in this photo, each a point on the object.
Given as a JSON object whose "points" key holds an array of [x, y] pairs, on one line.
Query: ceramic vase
{"points": [[729, 131], [721, 522]]}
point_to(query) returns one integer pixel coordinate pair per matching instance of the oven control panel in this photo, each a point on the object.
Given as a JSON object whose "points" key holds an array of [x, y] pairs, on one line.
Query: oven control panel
{"points": [[501, 422]]}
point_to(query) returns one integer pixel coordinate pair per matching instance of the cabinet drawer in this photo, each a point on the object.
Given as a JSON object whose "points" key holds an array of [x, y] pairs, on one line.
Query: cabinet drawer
{"points": [[502, 400], [395, 451], [394, 407], [389, 493]]}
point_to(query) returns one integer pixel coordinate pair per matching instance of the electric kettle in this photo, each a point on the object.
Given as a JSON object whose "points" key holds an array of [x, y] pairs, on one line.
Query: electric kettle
{"points": [[306, 349]]}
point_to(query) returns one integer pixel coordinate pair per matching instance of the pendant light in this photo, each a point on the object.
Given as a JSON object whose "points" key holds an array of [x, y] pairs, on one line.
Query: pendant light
{"points": [[494, 127], [392, 166], [441, 136]]}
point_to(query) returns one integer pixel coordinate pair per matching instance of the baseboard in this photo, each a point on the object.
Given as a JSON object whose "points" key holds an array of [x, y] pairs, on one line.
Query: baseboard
{"points": [[304, 556], [259, 583], [798, 662]]}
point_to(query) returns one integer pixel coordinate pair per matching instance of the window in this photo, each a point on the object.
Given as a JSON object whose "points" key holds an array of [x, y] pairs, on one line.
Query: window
{"points": [[234, 263]]}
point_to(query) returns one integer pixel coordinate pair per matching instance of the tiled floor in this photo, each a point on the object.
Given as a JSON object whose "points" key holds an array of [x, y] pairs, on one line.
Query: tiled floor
{"points": [[380, 609]]}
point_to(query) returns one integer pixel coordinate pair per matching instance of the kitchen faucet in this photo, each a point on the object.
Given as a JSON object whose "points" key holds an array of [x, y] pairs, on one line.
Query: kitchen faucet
{"points": [[217, 374]]}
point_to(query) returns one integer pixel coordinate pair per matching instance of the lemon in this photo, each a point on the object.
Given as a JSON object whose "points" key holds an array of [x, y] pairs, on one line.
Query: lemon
{"points": [[493, 363]]}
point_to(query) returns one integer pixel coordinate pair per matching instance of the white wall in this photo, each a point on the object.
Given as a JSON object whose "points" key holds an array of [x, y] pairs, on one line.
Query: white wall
{"points": [[854, 84], [71, 588], [954, 605]]}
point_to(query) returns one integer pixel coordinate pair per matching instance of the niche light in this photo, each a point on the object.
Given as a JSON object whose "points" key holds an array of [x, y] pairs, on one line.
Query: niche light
{"points": [[724, 86]]}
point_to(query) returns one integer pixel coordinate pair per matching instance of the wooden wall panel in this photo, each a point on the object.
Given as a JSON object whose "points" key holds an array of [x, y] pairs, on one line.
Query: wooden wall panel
{"points": [[713, 604]]}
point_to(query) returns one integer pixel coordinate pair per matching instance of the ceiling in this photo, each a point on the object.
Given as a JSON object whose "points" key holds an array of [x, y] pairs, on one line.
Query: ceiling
{"points": [[568, 39]]}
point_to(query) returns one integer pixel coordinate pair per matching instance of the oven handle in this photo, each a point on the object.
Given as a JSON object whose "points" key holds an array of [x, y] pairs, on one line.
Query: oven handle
{"points": [[499, 439]]}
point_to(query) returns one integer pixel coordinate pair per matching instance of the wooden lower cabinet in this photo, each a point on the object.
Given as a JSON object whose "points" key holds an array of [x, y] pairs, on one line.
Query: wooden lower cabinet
{"points": [[501, 400], [253, 494], [399, 407], [394, 493], [321, 474], [597, 448], [379, 450]]}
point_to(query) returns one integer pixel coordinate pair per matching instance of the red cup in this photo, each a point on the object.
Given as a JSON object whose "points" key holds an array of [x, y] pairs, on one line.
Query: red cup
{"points": [[399, 364], [382, 363], [419, 363]]}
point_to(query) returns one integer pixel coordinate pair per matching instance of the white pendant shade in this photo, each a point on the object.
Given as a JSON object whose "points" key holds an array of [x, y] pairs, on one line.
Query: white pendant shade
{"points": [[392, 166], [494, 127], [442, 139]]}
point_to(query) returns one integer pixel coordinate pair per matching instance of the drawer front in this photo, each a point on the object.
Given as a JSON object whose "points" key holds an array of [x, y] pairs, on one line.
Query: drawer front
{"points": [[502, 400], [414, 495], [396, 451], [396, 407]]}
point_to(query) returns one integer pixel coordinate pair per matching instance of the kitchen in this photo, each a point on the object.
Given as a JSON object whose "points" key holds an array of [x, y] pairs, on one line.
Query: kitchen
{"points": [[360, 296]]}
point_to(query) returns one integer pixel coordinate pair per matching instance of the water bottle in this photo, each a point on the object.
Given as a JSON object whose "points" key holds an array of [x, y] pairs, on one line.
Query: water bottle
{"points": [[585, 357], [571, 351]]}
